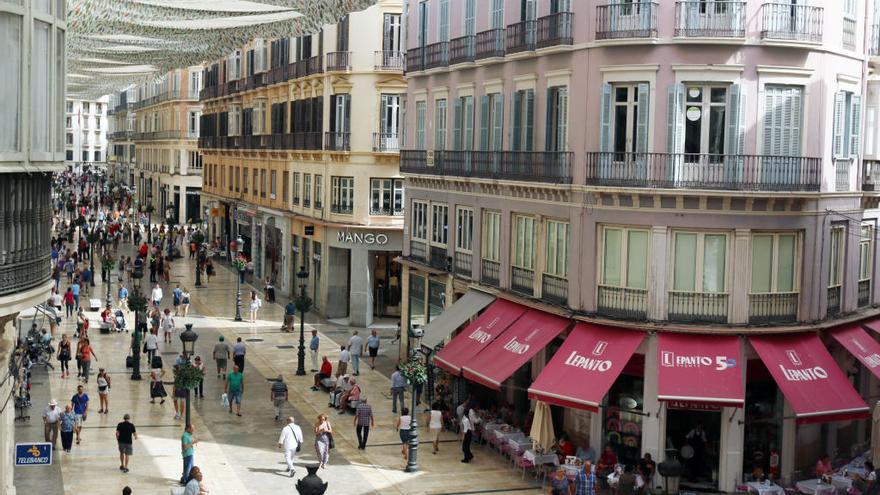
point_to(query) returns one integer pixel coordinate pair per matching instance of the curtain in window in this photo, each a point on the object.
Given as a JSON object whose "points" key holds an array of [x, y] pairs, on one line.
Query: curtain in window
{"points": [[714, 257], [611, 256], [685, 262], [637, 259], [762, 259], [785, 264]]}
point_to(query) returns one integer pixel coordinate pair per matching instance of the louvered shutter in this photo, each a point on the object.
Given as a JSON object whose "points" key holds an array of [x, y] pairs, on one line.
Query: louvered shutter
{"points": [[562, 119], [855, 127], [529, 120], [333, 111], [839, 124], [605, 119], [456, 132], [469, 123], [735, 120], [550, 120], [386, 33], [644, 93], [675, 118], [498, 117], [516, 117], [383, 114], [484, 123]]}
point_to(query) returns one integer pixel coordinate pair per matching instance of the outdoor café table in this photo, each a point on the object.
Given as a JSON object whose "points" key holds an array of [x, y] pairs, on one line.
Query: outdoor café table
{"points": [[842, 482], [765, 488], [519, 444], [492, 427], [540, 459], [813, 487]]}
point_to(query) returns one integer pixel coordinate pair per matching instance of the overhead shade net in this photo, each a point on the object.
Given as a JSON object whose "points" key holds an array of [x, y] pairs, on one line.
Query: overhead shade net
{"points": [[156, 36], [585, 366], [809, 377], [861, 345], [699, 369], [478, 335], [454, 316], [513, 348]]}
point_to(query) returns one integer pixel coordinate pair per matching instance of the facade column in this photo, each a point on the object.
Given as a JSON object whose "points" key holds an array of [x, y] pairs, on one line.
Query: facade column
{"points": [[360, 310], [7, 416], [181, 207], [654, 421], [730, 459], [740, 283], [404, 312], [657, 280], [789, 440]]}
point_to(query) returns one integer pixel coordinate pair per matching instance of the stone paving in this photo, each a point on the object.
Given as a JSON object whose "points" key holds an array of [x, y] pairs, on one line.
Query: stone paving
{"points": [[239, 455]]}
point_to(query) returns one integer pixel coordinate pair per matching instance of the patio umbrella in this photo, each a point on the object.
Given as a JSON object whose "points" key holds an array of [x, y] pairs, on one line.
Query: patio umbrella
{"points": [[542, 426], [875, 433]]}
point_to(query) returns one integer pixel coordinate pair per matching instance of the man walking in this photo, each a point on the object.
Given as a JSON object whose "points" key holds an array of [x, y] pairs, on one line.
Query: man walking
{"points": [[363, 420], [51, 418], [124, 433], [278, 395], [234, 389], [373, 348], [186, 448], [176, 296], [80, 403], [313, 350], [221, 356], [156, 296], [355, 348], [290, 441], [238, 352], [398, 386], [289, 313], [585, 480]]}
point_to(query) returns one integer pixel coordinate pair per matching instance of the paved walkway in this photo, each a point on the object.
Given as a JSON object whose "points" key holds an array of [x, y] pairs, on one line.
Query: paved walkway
{"points": [[239, 455]]}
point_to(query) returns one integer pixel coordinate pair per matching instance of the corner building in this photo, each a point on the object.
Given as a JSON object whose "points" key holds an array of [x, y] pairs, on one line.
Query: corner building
{"points": [[300, 138], [675, 179]]}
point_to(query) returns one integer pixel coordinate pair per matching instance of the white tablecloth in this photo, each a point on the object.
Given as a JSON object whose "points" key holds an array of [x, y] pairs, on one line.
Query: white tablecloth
{"points": [[539, 459], [842, 482], [764, 489], [813, 487]]}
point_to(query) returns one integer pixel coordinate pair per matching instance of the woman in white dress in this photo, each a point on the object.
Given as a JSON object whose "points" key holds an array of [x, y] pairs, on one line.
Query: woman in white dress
{"points": [[256, 304]]}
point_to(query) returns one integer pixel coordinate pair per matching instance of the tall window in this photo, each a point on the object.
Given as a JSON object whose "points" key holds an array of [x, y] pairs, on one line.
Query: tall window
{"points": [[439, 224], [297, 186], [774, 263], [783, 107], [273, 184], [624, 121], [386, 196], [389, 121], [464, 229], [700, 262], [625, 257], [866, 252], [835, 256], [244, 180], [491, 236], [557, 249], [342, 34], [307, 190], [524, 242], [497, 14], [522, 128], [420, 125], [440, 124], [491, 121], [391, 33], [557, 118], [847, 119], [319, 191], [463, 134], [192, 123], [262, 182], [340, 113], [443, 21], [342, 200], [470, 13], [705, 119], [422, 33], [419, 220]]}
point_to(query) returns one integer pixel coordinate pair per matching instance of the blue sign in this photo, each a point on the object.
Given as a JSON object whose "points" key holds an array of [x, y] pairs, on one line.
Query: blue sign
{"points": [[33, 454]]}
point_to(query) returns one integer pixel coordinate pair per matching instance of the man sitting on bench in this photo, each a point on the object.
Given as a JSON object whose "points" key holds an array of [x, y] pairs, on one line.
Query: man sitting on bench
{"points": [[326, 372], [353, 395], [107, 318]]}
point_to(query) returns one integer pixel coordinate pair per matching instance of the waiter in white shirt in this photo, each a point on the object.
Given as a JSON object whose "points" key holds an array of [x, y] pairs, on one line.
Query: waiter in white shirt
{"points": [[290, 440]]}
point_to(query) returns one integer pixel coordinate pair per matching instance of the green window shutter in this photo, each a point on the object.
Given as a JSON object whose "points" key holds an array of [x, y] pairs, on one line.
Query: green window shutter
{"points": [[605, 119], [516, 127], [530, 120], [484, 122], [785, 263], [456, 133], [637, 259], [498, 124], [839, 123], [855, 125], [468, 127], [644, 112]]}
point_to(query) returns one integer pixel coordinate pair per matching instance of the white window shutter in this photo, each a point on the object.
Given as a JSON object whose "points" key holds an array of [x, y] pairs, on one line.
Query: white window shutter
{"points": [[855, 126], [498, 117], [468, 123], [675, 118], [736, 120], [484, 122], [605, 119], [562, 120], [456, 133], [839, 123], [644, 106]]}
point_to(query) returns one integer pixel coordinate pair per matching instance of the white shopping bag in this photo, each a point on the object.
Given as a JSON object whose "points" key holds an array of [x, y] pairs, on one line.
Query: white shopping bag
{"points": [[224, 400]]}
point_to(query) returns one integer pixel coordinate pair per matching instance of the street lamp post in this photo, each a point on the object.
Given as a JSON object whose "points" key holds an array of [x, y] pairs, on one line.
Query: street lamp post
{"points": [[188, 340], [412, 461], [150, 215], [239, 246], [105, 265], [303, 304]]}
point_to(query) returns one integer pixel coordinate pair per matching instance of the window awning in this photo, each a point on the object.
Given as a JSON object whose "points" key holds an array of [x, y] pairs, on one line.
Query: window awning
{"points": [[478, 335], [873, 325], [454, 316], [809, 378], [584, 368], [699, 370], [859, 344], [513, 348]]}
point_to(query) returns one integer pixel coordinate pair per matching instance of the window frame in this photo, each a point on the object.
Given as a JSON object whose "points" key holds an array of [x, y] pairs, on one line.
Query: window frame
{"points": [[464, 239], [836, 230], [552, 254], [490, 248], [395, 191], [419, 225], [699, 260], [624, 259], [774, 261], [439, 235], [866, 252]]}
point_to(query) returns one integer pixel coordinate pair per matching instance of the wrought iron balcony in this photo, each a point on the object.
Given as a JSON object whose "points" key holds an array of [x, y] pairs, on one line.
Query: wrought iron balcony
{"points": [[415, 59], [626, 20], [521, 36], [337, 141], [341, 208], [463, 264], [278, 74], [255, 81], [390, 60], [842, 171], [376, 209], [696, 307], [781, 307], [386, 142], [437, 55], [307, 140], [704, 171], [718, 19], [338, 61], [490, 273], [622, 302], [529, 166], [833, 301], [864, 293], [462, 50], [490, 44], [522, 280], [784, 21], [439, 258], [26, 215], [871, 175], [418, 251], [554, 289], [554, 30]]}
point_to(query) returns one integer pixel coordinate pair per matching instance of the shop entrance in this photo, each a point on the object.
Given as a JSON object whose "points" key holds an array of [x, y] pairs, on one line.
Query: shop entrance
{"points": [[386, 285], [696, 435]]}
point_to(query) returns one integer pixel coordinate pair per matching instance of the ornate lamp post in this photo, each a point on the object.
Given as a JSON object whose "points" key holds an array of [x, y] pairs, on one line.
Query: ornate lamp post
{"points": [[416, 376], [188, 340], [138, 304], [198, 238], [107, 266], [239, 268], [303, 304], [149, 209]]}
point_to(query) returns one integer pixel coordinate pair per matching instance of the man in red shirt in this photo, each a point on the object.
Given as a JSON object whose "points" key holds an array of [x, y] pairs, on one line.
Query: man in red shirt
{"points": [[607, 461], [326, 372]]}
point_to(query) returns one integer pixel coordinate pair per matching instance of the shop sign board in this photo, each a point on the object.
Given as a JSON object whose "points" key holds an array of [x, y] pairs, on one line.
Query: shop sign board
{"points": [[33, 454], [367, 238]]}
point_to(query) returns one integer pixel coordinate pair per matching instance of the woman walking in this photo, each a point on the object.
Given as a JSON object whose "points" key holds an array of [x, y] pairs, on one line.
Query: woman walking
{"points": [[256, 304], [201, 388], [64, 355], [184, 301], [151, 345], [157, 389], [78, 355], [209, 269], [103, 381], [323, 439], [435, 424], [403, 426], [87, 355], [68, 420]]}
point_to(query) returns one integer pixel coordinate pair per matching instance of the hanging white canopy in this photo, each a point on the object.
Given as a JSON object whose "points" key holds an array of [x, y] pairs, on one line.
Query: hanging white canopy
{"points": [[112, 44]]}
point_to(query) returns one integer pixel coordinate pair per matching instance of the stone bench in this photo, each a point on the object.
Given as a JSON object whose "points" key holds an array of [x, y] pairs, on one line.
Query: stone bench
{"points": [[328, 383]]}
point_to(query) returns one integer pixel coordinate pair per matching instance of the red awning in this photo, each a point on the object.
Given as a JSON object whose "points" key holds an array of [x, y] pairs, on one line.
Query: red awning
{"points": [[479, 334], [586, 365], [700, 369], [859, 344], [514, 348], [872, 324], [809, 378]]}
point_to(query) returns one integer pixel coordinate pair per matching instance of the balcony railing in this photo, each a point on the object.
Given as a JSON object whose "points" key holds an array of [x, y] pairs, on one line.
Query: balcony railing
{"points": [[385, 210], [697, 307], [626, 20], [490, 273], [703, 171], [279, 74], [849, 33], [871, 175], [718, 19], [158, 135], [338, 61], [622, 302], [255, 81], [24, 275], [415, 59], [337, 141], [437, 55], [439, 258], [119, 135], [490, 44], [779, 307], [784, 21], [314, 65], [555, 29], [462, 50], [390, 60], [529, 166], [521, 36], [864, 293], [522, 280], [343, 209], [463, 264], [418, 251], [554, 289], [307, 140], [842, 167], [833, 301], [386, 142]]}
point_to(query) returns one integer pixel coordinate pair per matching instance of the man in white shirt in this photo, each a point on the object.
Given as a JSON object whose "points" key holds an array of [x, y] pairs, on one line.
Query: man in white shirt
{"points": [[289, 441], [156, 295], [344, 358], [355, 348], [51, 417], [467, 434]]}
